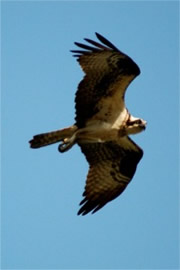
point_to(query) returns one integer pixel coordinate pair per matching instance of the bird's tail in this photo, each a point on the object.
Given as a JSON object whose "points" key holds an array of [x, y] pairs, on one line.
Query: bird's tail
{"points": [[52, 137]]}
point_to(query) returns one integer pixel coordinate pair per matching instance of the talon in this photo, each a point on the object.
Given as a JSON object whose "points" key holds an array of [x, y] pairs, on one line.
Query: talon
{"points": [[64, 147], [67, 144]]}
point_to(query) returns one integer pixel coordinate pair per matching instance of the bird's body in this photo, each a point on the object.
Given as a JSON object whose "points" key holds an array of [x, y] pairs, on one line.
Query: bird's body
{"points": [[102, 123]]}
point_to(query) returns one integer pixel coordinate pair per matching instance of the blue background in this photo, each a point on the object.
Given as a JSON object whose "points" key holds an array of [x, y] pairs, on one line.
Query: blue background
{"points": [[41, 189]]}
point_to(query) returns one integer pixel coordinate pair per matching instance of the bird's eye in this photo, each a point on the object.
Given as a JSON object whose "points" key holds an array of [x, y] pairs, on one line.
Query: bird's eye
{"points": [[138, 121], [135, 122]]}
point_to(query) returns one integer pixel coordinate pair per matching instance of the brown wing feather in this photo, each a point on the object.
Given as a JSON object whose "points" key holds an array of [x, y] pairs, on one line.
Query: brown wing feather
{"points": [[108, 73], [111, 169]]}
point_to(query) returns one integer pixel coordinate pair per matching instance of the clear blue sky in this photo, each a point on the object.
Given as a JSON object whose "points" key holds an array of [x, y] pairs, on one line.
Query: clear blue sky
{"points": [[41, 189]]}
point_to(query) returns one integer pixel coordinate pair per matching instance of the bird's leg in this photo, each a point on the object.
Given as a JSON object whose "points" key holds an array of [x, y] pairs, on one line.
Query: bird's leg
{"points": [[87, 135], [67, 143]]}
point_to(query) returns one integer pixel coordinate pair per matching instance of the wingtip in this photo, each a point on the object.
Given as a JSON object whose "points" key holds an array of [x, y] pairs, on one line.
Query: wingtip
{"points": [[84, 213], [98, 35], [106, 42], [81, 212]]}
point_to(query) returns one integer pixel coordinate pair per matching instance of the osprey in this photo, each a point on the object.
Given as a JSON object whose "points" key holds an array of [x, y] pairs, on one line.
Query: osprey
{"points": [[102, 123]]}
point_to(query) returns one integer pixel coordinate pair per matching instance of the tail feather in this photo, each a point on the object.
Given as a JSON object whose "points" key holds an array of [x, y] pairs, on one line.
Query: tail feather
{"points": [[52, 137]]}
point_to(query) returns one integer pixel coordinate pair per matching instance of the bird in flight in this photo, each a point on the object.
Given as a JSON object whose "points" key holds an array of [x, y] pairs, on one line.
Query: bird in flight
{"points": [[102, 123]]}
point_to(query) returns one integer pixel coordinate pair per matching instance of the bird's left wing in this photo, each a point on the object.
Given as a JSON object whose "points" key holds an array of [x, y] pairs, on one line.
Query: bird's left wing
{"points": [[112, 167]]}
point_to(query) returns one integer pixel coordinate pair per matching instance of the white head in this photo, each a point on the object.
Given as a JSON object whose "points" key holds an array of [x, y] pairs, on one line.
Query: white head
{"points": [[135, 125]]}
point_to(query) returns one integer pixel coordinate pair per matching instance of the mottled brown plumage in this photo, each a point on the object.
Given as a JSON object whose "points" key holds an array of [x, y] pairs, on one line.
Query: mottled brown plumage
{"points": [[111, 169], [102, 123]]}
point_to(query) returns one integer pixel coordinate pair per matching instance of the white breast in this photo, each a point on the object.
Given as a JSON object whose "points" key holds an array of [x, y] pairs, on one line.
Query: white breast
{"points": [[120, 119]]}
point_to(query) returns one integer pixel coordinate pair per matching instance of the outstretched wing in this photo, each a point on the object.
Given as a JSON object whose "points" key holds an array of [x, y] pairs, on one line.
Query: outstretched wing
{"points": [[112, 167], [108, 72]]}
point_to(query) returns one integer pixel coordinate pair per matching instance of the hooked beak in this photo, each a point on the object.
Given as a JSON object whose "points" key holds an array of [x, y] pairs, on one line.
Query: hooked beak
{"points": [[143, 125]]}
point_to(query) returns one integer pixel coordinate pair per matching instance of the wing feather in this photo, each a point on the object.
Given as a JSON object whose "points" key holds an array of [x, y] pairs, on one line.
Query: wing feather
{"points": [[106, 42], [95, 43], [112, 166], [108, 72], [83, 46]]}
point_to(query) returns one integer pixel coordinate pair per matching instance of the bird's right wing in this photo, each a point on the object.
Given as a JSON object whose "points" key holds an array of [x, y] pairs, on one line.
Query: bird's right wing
{"points": [[108, 72]]}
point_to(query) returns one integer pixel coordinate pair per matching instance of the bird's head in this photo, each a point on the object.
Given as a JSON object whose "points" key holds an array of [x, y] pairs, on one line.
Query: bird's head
{"points": [[135, 125]]}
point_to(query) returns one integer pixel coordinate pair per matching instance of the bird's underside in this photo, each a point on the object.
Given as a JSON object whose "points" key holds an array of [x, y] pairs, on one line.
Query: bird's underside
{"points": [[102, 123]]}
